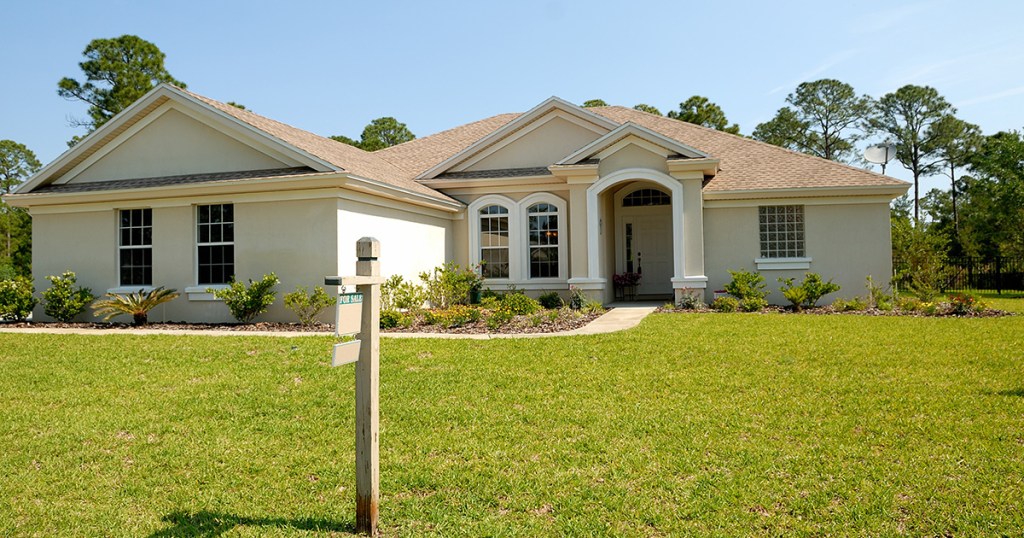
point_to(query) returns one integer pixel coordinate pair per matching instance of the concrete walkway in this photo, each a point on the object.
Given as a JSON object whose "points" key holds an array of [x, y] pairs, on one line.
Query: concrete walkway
{"points": [[622, 316]]}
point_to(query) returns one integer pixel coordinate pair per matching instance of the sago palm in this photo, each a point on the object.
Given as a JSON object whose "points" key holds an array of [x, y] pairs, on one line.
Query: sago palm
{"points": [[136, 304]]}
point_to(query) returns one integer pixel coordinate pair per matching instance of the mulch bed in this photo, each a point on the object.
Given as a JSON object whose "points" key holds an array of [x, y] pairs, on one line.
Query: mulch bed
{"points": [[828, 310]]}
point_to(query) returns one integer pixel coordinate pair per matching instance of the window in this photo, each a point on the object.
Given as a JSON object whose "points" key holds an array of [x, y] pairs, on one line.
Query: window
{"points": [[646, 197], [494, 242], [215, 238], [542, 220], [135, 251], [782, 231]]}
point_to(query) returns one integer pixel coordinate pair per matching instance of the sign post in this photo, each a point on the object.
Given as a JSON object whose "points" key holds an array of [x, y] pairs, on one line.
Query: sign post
{"points": [[365, 352]]}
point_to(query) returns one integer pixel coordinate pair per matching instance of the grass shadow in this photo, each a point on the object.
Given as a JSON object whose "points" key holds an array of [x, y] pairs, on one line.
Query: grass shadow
{"points": [[1009, 392], [212, 524]]}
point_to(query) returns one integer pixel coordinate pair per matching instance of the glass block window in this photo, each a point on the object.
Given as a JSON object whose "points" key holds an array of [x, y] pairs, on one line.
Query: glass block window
{"points": [[494, 241], [782, 231], [646, 197], [542, 220], [215, 239], [135, 247]]}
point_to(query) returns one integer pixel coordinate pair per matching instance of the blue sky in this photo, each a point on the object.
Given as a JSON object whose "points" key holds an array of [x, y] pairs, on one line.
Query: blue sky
{"points": [[330, 67]]}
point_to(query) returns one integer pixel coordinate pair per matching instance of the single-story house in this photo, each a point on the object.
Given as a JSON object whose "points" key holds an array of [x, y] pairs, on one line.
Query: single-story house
{"points": [[182, 191]]}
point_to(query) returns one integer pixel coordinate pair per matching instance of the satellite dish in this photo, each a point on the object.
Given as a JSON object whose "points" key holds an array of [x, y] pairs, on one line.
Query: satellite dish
{"points": [[880, 153]]}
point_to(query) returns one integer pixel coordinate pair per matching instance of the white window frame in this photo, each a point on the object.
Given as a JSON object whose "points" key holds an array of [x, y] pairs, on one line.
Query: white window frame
{"points": [[563, 239], [514, 237], [198, 292], [783, 263], [130, 288]]}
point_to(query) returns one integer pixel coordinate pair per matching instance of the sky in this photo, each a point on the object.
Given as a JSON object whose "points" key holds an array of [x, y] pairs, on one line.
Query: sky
{"points": [[331, 67]]}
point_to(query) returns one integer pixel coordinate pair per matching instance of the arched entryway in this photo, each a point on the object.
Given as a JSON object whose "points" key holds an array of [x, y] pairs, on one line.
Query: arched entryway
{"points": [[643, 238]]}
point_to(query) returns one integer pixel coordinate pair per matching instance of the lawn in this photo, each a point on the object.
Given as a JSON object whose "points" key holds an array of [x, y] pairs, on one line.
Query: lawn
{"points": [[715, 424]]}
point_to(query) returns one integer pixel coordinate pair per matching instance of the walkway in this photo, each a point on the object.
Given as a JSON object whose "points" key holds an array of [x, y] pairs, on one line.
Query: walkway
{"points": [[622, 316]]}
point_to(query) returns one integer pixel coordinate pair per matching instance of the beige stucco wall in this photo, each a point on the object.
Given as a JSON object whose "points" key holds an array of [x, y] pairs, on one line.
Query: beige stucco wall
{"points": [[294, 239], [175, 144], [845, 242], [410, 241], [547, 144], [632, 156]]}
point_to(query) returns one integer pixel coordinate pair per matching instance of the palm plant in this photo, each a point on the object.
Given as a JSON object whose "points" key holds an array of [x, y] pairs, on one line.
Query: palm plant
{"points": [[136, 304]]}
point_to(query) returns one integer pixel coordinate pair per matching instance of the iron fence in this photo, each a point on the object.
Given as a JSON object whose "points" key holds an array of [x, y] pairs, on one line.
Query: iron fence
{"points": [[998, 274]]}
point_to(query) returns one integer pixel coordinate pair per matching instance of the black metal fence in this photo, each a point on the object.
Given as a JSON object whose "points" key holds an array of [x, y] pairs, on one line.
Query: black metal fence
{"points": [[974, 273]]}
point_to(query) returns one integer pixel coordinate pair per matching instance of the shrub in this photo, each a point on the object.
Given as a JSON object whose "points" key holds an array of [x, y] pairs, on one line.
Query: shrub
{"points": [[307, 306], [137, 304], [908, 303], [499, 316], [490, 302], [454, 316], [691, 301], [247, 302], [753, 304], [449, 285], [931, 309], [17, 299], [808, 293], [63, 300], [849, 305], [550, 300], [962, 304], [389, 319], [725, 304], [519, 304], [746, 285], [399, 294], [877, 295], [577, 298], [592, 306], [7, 272]]}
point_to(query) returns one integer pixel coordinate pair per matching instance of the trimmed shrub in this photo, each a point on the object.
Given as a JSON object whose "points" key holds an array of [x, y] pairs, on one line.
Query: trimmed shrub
{"points": [[307, 306], [399, 294], [449, 285], [808, 293], [17, 299], [550, 300], [389, 319], [753, 304], [520, 304], [63, 300], [136, 304], [247, 302], [725, 304], [746, 285]]}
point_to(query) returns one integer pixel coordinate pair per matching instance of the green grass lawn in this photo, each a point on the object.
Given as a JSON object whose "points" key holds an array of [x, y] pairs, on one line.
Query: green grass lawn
{"points": [[718, 424]]}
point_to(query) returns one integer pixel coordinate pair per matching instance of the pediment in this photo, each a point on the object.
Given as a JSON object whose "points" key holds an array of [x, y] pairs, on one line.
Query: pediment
{"points": [[631, 135]]}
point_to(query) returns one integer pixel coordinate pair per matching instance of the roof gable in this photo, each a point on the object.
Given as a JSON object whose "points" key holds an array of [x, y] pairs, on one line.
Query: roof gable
{"points": [[519, 128], [632, 133]]}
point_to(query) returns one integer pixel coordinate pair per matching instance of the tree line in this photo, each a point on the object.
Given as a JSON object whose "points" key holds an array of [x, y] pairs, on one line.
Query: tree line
{"points": [[981, 214]]}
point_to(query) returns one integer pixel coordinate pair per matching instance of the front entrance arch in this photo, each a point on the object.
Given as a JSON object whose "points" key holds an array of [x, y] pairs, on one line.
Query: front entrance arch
{"points": [[643, 238]]}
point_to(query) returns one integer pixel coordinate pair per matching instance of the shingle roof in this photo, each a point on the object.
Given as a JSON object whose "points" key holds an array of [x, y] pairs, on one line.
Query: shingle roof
{"points": [[92, 186], [747, 164], [349, 158]]}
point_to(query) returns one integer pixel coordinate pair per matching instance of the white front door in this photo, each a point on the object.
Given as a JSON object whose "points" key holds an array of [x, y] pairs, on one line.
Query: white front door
{"points": [[646, 248]]}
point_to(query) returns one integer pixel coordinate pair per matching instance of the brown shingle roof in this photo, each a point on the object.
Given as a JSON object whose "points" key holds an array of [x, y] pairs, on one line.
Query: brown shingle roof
{"points": [[349, 158], [181, 179], [748, 164], [422, 154]]}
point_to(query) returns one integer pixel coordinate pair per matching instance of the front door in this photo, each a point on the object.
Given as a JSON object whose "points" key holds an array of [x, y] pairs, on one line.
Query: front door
{"points": [[646, 248]]}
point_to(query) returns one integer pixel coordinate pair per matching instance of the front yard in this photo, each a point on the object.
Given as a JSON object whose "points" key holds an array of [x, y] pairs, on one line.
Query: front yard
{"points": [[727, 424]]}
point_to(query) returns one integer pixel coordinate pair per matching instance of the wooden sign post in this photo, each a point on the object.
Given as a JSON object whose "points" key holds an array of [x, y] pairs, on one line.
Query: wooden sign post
{"points": [[365, 352]]}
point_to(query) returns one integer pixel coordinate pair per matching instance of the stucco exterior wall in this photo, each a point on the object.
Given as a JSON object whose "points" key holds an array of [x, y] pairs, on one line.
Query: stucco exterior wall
{"points": [[79, 242], [410, 241], [175, 144], [846, 242], [544, 145]]}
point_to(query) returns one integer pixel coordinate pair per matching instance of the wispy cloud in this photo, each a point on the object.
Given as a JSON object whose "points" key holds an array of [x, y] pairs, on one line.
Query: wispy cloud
{"points": [[824, 66], [886, 19], [993, 96]]}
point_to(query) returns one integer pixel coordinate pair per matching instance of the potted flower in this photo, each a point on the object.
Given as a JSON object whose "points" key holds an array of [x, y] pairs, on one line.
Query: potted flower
{"points": [[625, 285]]}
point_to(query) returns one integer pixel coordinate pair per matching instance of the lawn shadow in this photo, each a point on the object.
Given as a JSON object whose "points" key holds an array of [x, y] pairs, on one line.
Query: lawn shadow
{"points": [[212, 524], [1009, 392]]}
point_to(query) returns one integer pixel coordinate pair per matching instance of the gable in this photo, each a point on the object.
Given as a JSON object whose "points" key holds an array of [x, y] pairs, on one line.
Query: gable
{"points": [[632, 156], [545, 142], [173, 143]]}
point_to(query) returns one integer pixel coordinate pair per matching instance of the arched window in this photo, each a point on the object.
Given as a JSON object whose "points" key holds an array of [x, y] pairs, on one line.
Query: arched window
{"points": [[494, 241], [646, 197], [542, 229]]}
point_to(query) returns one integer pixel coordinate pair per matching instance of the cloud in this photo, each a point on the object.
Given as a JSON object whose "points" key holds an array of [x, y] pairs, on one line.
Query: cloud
{"points": [[993, 96], [886, 19], [807, 76]]}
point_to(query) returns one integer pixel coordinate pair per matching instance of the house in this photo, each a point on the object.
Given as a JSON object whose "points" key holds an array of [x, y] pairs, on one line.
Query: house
{"points": [[182, 191]]}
